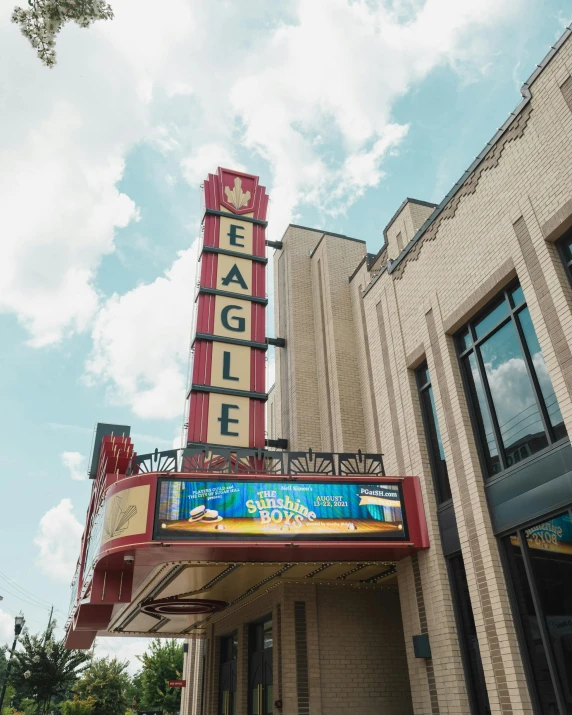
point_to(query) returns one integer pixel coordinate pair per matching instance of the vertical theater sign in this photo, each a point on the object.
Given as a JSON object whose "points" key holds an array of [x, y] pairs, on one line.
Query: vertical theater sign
{"points": [[172, 538], [228, 376]]}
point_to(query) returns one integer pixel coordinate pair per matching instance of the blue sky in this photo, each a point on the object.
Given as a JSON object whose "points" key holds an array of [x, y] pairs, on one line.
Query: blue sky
{"points": [[343, 108]]}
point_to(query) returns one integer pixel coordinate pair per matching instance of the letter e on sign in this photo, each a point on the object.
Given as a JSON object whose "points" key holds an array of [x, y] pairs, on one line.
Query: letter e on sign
{"points": [[228, 420]]}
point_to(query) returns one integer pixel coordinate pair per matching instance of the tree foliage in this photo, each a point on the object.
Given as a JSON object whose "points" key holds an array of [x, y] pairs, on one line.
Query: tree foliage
{"points": [[163, 661], [43, 19], [3, 663], [105, 681], [134, 692], [77, 706], [44, 670]]}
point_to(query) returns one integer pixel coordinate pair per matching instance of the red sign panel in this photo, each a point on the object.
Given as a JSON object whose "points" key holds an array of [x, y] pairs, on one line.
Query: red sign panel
{"points": [[177, 683], [228, 388]]}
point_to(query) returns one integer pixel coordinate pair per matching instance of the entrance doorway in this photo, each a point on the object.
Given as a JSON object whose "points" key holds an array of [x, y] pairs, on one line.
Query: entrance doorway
{"points": [[260, 691], [227, 680]]}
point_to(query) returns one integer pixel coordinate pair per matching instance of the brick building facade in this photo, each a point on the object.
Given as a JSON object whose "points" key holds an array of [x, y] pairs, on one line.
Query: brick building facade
{"points": [[450, 352]]}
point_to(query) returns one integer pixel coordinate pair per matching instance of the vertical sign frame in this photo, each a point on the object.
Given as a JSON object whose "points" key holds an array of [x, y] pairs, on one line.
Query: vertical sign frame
{"points": [[228, 387]]}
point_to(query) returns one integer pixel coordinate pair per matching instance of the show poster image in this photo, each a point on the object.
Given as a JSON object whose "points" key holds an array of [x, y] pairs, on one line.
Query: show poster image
{"points": [[191, 509]]}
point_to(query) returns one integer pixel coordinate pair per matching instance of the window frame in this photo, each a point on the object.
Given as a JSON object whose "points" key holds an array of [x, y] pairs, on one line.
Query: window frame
{"points": [[463, 353], [504, 544], [566, 262], [423, 386]]}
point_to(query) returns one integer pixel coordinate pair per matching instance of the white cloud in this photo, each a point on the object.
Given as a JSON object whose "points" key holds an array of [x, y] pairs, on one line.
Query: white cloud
{"points": [[58, 540], [76, 463], [141, 342], [206, 160], [61, 156], [326, 84], [309, 104], [123, 649]]}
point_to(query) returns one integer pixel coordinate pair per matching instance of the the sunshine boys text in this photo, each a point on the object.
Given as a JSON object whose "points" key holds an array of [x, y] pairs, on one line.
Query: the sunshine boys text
{"points": [[279, 511]]}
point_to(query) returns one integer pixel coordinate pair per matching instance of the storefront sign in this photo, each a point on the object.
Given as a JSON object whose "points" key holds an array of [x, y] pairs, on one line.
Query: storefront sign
{"points": [[228, 379], [553, 535], [189, 509]]}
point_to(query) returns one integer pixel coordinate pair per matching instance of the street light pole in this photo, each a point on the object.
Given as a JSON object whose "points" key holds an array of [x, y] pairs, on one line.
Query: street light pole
{"points": [[18, 625]]}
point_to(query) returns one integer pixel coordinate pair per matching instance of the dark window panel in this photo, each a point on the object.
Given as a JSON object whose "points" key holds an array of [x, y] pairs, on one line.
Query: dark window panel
{"points": [[529, 624], [482, 414], [477, 687], [550, 550], [566, 247], [465, 341], [433, 436], [436, 447]]}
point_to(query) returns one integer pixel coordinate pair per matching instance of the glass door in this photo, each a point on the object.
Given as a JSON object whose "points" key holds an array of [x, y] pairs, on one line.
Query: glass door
{"points": [[227, 680], [540, 568], [260, 690]]}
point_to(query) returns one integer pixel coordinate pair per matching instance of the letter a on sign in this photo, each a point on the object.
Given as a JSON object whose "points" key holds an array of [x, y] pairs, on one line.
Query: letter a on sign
{"points": [[234, 276]]}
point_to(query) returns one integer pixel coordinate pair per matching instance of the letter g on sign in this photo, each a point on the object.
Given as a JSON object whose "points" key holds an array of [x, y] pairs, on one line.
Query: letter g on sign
{"points": [[232, 322]]}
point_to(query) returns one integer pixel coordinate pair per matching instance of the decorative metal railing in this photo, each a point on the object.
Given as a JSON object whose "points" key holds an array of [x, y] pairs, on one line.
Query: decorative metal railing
{"points": [[229, 460]]}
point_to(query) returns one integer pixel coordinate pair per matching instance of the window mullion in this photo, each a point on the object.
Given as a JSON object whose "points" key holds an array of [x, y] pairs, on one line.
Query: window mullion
{"points": [[490, 333], [490, 405], [534, 379], [541, 621]]}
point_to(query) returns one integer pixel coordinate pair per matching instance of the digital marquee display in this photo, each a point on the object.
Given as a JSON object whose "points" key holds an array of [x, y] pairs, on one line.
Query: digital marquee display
{"points": [[189, 509]]}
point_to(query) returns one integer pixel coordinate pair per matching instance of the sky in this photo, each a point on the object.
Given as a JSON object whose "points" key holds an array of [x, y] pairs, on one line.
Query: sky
{"points": [[342, 107]]}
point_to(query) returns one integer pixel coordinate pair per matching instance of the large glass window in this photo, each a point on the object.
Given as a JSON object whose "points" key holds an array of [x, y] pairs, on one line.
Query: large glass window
{"points": [[433, 435], [511, 393], [540, 566]]}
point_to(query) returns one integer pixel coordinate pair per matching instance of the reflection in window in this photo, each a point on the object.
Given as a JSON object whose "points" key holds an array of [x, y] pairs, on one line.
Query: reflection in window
{"points": [[550, 549], [531, 632], [433, 435], [547, 617], [542, 374], [514, 403], [267, 635]]}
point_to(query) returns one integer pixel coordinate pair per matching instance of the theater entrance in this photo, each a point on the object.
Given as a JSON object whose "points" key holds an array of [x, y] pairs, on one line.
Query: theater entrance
{"points": [[228, 654], [260, 690]]}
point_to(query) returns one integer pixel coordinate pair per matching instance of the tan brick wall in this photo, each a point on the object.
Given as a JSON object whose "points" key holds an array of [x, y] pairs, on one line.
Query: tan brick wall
{"points": [[296, 375], [372, 677], [193, 674], [341, 412], [493, 233], [355, 650], [317, 400], [501, 224], [409, 219]]}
